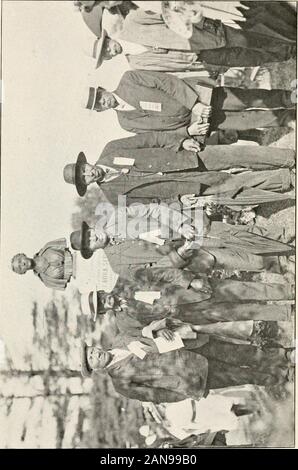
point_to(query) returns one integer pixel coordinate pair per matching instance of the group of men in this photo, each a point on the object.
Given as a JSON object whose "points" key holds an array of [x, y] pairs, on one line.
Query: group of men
{"points": [[154, 227]]}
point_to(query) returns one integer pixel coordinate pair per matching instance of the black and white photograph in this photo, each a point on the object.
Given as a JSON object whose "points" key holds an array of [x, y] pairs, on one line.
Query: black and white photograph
{"points": [[148, 214]]}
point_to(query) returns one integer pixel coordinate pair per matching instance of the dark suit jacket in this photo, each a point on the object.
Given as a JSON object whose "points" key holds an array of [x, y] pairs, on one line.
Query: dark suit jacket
{"points": [[175, 302], [129, 256], [152, 152], [176, 97], [147, 187], [159, 378]]}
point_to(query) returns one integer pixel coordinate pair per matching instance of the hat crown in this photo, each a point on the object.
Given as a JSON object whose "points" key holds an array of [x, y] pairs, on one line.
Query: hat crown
{"points": [[69, 173], [76, 240]]}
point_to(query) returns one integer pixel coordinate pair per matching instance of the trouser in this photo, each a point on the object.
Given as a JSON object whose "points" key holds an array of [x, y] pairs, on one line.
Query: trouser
{"points": [[227, 258], [254, 239], [248, 49], [252, 40], [271, 180], [227, 290], [240, 109], [213, 311], [225, 157], [232, 365]]}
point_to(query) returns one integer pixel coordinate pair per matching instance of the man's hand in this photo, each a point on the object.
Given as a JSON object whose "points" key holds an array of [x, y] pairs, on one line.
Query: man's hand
{"points": [[201, 285], [187, 231], [206, 113], [198, 129], [152, 409], [192, 145], [185, 250], [166, 334]]}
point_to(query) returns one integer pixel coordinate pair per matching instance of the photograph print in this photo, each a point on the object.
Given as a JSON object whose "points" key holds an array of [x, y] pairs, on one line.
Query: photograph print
{"points": [[148, 189]]}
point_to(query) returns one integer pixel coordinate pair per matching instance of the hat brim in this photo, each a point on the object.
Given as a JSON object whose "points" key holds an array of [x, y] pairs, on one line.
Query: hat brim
{"points": [[85, 252], [93, 19], [85, 370], [99, 60], [81, 187]]}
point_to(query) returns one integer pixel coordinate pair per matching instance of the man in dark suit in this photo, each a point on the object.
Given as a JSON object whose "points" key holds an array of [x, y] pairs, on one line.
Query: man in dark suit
{"points": [[140, 183], [161, 152], [222, 314], [130, 256], [154, 101], [147, 375]]}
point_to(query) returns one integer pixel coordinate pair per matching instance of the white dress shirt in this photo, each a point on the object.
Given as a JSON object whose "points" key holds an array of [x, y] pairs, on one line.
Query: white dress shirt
{"points": [[122, 105], [131, 47], [112, 173]]}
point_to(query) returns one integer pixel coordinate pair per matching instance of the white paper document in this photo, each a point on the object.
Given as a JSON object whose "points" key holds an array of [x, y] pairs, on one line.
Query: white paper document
{"points": [[124, 161], [164, 346], [147, 296], [150, 106], [136, 348]]}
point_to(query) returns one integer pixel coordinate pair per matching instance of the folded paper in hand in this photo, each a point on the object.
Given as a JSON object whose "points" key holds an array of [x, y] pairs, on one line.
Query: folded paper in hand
{"points": [[147, 296], [136, 348], [152, 237], [164, 346]]}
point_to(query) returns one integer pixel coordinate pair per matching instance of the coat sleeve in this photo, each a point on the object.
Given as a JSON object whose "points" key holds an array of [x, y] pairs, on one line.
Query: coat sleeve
{"points": [[135, 391], [169, 84], [155, 139], [161, 276]]}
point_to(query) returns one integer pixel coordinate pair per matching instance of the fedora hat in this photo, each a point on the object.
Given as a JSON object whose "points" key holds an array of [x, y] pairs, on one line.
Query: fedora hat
{"points": [[98, 49], [72, 174], [93, 95], [85, 369], [79, 243], [91, 304]]}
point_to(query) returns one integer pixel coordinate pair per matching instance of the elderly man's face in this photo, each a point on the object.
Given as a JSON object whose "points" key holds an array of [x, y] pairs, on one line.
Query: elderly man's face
{"points": [[111, 48], [109, 301], [97, 358], [92, 173], [97, 240], [106, 100], [21, 264]]}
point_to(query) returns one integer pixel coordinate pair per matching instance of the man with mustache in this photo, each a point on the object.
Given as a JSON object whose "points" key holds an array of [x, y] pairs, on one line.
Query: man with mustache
{"points": [[145, 34], [154, 101], [135, 252], [244, 317], [160, 59], [150, 179], [138, 371]]}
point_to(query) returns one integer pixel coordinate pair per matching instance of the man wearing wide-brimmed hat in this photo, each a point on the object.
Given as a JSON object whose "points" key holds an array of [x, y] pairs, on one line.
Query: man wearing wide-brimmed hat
{"points": [[149, 179], [148, 58], [210, 40], [180, 262], [138, 371]]}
